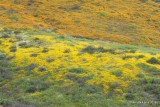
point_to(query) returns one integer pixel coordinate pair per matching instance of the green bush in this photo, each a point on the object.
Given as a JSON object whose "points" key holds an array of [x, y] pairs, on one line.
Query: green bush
{"points": [[114, 85], [31, 66], [140, 75], [24, 44], [157, 1], [117, 73], [50, 59], [76, 70], [31, 85], [129, 96], [13, 48], [42, 68], [67, 51], [34, 55], [153, 60], [14, 17], [2, 56], [45, 50], [92, 49]]}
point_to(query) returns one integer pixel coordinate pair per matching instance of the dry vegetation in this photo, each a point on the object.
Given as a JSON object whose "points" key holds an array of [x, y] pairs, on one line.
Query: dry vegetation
{"points": [[123, 21]]}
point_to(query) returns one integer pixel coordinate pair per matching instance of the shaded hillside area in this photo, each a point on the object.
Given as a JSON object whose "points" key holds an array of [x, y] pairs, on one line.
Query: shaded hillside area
{"points": [[123, 21]]}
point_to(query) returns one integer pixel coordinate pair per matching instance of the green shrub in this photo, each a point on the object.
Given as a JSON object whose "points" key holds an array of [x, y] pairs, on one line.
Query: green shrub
{"points": [[31, 66], [5, 67], [129, 96], [140, 56], [3, 99], [2, 56], [14, 17], [114, 85], [42, 68], [117, 73], [75, 7], [24, 44], [30, 2], [50, 59], [140, 75], [67, 51], [34, 55], [76, 70], [10, 57], [153, 60], [78, 79], [13, 48], [92, 49], [45, 50], [36, 85], [71, 76], [5, 35]]}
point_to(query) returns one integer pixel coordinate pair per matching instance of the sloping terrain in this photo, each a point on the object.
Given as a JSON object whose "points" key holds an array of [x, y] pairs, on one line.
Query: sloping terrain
{"points": [[123, 21], [50, 70], [79, 53]]}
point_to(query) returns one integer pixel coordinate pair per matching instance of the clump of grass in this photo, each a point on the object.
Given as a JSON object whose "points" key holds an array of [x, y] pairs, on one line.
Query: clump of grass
{"points": [[34, 55], [5, 35], [31, 85], [2, 56], [114, 85], [129, 96], [76, 70], [151, 85], [24, 44], [13, 48], [140, 75], [50, 59], [153, 60], [67, 51], [45, 50], [127, 57], [10, 57], [140, 56], [79, 79], [32, 66], [117, 73], [30, 2], [42, 68], [92, 49], [5, 67], [131, 56], [102, 13], [14, 17]]}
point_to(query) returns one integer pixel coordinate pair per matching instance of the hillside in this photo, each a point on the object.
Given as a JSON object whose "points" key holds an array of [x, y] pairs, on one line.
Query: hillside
{"points": [[50, 70], [79, 53], [123, 21]]}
